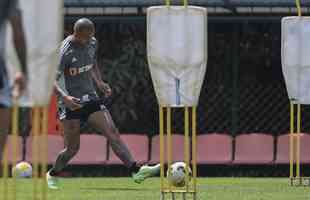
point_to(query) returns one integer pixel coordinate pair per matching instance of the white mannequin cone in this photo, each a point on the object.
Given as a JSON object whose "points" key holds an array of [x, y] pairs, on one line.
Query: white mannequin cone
{"points": [[177, 53], [43, 24], [295, 58]]}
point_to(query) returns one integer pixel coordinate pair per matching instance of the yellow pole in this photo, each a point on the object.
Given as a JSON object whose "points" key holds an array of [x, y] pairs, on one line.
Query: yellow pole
{"points": [[169, 141], [168, 3], [291, 140], [298, 141], [298, 7], [35, 157], [186, 145], [162, 140], [5, 174], [44, 151], [194, 149], [296, 148], [15, 146], [162, 147], [185, 2]]}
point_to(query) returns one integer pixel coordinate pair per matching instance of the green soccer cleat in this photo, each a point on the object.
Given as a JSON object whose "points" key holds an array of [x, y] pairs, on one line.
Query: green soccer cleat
{"points": [[52, 181], [146, 172]]}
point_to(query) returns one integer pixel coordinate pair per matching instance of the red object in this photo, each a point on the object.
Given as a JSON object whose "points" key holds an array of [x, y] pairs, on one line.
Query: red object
{"points": [[138, 146], [214, 149], [177, 149], [93, 150], [255, 148], [283, 151], [10, 146], [55, 144]]}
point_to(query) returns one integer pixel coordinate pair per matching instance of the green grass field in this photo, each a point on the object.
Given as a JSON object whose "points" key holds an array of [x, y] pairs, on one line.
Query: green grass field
{"points": [[209, 189]]}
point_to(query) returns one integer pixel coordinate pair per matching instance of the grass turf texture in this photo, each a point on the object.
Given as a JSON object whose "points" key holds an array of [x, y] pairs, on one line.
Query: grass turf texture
{"points": [[209, 189]]}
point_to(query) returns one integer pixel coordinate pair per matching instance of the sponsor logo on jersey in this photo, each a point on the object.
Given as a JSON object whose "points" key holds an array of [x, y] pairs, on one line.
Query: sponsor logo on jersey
{"points": [[75, 71]]}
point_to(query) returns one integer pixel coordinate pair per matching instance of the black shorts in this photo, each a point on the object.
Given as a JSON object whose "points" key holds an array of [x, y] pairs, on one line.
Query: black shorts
{"points": [[5, 89], [2, 106], [2, 72], [84, 112]]}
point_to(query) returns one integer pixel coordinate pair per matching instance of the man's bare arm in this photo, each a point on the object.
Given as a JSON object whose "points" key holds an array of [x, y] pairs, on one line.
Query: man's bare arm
{"points": [[59, 91], [60, 85], [69, 101], [19, 40], [103, 87], [96, 74]]}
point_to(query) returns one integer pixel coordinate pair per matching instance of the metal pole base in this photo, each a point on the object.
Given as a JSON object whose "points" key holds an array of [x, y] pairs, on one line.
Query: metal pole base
{"points": [[162, 196], [178, 195], [195, 196], [300, 181]]}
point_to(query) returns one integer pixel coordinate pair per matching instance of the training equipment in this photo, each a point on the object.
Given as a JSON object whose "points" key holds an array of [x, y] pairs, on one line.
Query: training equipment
{"points": [[296, 71], [176, 174], [177, 58], [43, 35], [22, 170], [295, 58], [43, 21]]}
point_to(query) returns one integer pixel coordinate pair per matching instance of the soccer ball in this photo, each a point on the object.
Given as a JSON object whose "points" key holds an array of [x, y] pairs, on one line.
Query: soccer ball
{"points": [[22, 170], [177, 174]]}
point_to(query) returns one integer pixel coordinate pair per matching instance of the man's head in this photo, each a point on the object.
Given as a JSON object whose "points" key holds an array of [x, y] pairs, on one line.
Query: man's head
{"points": [[84, 30]]}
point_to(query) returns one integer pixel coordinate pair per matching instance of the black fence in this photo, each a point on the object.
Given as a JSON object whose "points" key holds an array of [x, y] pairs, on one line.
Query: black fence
{"points": [[243, 91], [261, 3]]}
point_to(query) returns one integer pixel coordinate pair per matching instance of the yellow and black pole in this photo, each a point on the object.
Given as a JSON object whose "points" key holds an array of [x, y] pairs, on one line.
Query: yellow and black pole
{"points": [[15, 114], [298, 144], [292, 146], [298, 121], [162, 151], [39, 151], [166, 151], [11, 194], [169, 143], [180, 99], [295, 133], [5, 184], [43, 150], [186, 147], [35, 150], [298, 7], [194, 151]]}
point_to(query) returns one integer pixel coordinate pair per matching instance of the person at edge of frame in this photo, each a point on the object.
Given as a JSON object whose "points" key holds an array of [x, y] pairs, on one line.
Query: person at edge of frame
{"points": [[10, 13]]}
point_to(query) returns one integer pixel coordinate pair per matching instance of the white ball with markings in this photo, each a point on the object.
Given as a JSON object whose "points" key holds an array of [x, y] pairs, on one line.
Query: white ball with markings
{"points": [[22, 170], [177, 174]]}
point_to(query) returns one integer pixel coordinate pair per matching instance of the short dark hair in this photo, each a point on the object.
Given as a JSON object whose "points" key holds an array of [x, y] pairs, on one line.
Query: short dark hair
{"points": [[83, 24]]}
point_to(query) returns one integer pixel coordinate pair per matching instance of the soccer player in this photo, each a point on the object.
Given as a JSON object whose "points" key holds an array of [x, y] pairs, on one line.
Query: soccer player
{"points": [[9, 12], [78, 102]]}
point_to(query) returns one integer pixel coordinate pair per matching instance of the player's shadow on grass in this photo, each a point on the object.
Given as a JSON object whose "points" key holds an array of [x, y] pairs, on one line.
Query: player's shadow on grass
{"points": [[116, 189]]}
